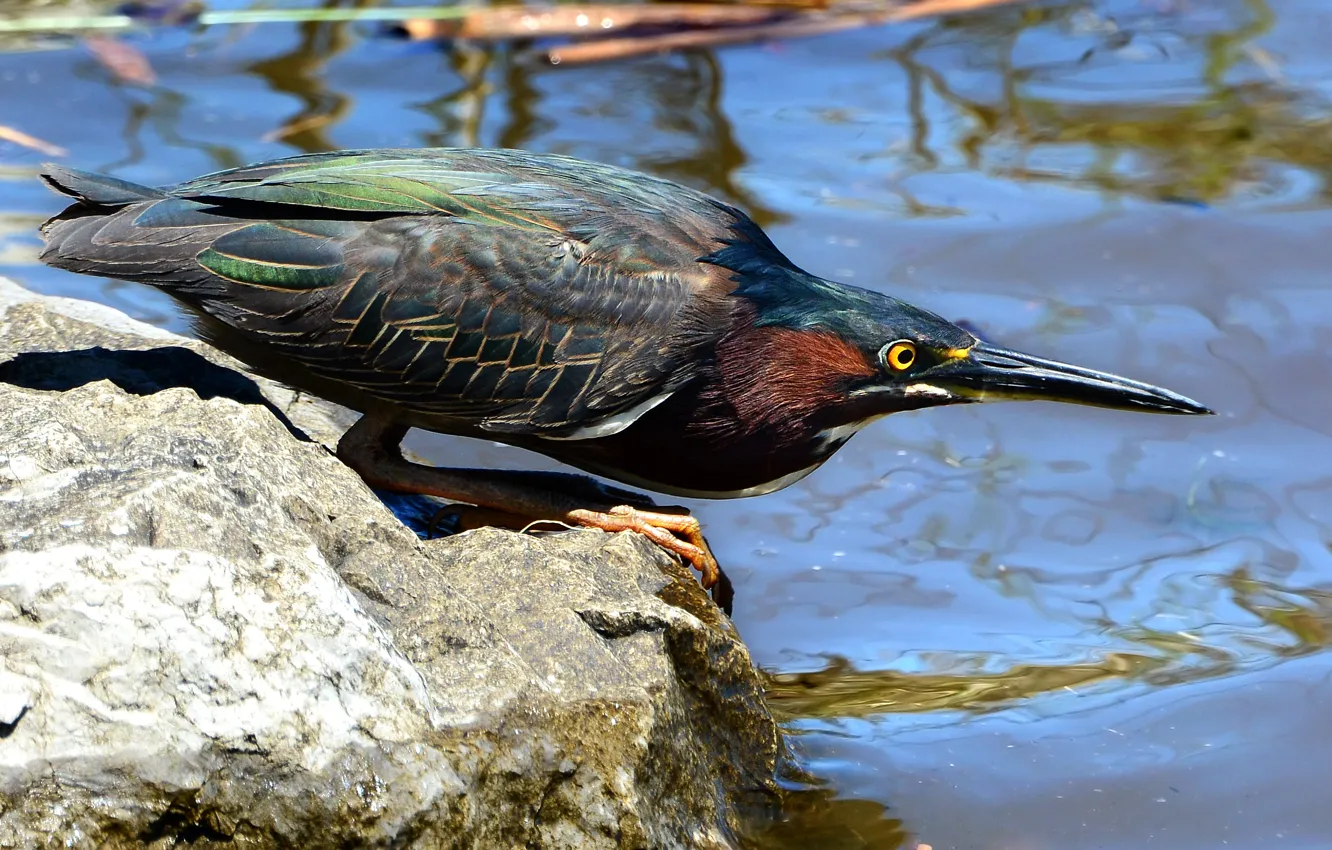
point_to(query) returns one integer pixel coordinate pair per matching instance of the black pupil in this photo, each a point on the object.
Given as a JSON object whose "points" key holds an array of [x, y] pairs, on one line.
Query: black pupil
{"points": [[905, 356]]}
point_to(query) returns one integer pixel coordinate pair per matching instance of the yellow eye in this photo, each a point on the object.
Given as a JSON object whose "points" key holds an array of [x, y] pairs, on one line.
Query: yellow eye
{"points": [[900, 355]]}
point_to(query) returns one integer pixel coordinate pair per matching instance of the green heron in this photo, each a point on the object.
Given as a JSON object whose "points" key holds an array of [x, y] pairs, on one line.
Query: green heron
{"points": [[623, 324]]}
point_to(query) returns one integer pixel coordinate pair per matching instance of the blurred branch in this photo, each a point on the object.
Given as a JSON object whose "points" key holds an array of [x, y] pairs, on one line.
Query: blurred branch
{"points": [[807, 24], [125, 62], [585, 19], [18, 137]]}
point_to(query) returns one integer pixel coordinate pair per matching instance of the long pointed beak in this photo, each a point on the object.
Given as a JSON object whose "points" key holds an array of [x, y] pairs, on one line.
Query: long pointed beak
{"points": [[988, 373]]}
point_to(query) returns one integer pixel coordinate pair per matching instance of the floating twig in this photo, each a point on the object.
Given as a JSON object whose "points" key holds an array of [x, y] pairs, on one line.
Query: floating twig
{"points": [[594, 19], [610, 49], [805, 25], [125, 62], [18, 137]]}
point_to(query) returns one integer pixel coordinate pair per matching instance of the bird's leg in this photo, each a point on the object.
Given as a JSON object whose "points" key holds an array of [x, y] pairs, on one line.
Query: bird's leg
{"points": [[580, 487], [372, 448]]}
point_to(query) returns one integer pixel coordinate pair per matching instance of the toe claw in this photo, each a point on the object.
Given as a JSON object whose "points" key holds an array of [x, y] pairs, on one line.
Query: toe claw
{"points": [[676, 532]]}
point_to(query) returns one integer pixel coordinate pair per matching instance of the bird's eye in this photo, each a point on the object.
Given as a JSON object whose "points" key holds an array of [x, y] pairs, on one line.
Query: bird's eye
{"points": [[900, 355]]}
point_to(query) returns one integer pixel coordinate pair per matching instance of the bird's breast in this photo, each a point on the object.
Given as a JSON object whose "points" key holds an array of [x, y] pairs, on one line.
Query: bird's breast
{"points": [[694, 445]]}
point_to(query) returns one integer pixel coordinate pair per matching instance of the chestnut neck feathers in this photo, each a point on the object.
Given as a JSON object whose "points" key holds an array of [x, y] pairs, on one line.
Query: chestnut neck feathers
{"points": [[786, 381]]}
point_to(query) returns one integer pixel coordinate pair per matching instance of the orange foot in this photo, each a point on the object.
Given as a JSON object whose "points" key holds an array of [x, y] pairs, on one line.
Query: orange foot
{"points": [[678, 533]]}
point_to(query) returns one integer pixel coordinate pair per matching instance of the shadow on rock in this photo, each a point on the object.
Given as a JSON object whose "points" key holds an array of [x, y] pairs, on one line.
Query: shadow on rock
{"points": [[138, 373]]}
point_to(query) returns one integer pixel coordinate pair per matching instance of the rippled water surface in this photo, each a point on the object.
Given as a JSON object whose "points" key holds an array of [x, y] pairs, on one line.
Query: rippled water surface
{"points": [[1018, 626]]}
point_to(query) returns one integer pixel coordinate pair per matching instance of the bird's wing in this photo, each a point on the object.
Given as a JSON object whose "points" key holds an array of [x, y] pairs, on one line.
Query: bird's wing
{"points": [[531, 295]]}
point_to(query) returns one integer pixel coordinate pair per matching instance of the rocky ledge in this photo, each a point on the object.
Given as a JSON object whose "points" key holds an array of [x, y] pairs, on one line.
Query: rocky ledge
{"points": [[212, 632]]}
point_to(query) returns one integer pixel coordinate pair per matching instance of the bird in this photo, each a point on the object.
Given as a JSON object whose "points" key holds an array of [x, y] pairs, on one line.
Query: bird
{"points": [[626, 325]]}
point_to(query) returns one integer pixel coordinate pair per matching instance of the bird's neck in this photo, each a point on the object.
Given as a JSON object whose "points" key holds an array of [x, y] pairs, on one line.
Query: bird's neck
{"points": [[789, 386]]}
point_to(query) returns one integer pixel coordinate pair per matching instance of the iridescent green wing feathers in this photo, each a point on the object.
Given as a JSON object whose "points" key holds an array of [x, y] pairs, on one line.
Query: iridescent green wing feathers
{"points": [[368, 184]]}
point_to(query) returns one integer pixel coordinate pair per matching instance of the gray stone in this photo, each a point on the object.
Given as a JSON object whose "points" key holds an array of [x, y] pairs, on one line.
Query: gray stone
{"points": [[212, 631]]}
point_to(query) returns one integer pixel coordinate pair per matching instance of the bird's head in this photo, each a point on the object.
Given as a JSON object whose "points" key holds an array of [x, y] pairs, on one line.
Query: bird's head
{"points": [[874, 355]]}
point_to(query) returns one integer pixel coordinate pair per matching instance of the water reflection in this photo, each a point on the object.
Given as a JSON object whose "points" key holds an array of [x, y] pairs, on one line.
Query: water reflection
{"points": [[300, 73], [840, 690], [1188, 133], [993, 588], [815, 817], [1211, 114], [1283, 622]]}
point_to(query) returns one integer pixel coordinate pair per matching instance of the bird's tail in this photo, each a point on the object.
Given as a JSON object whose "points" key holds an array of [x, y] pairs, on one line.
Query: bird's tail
{"points": [[75, 239], [114, 228], [97, 190]]}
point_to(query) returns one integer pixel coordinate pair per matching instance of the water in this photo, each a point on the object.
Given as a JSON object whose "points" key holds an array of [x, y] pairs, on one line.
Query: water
{"points": [[1012, 626]]}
